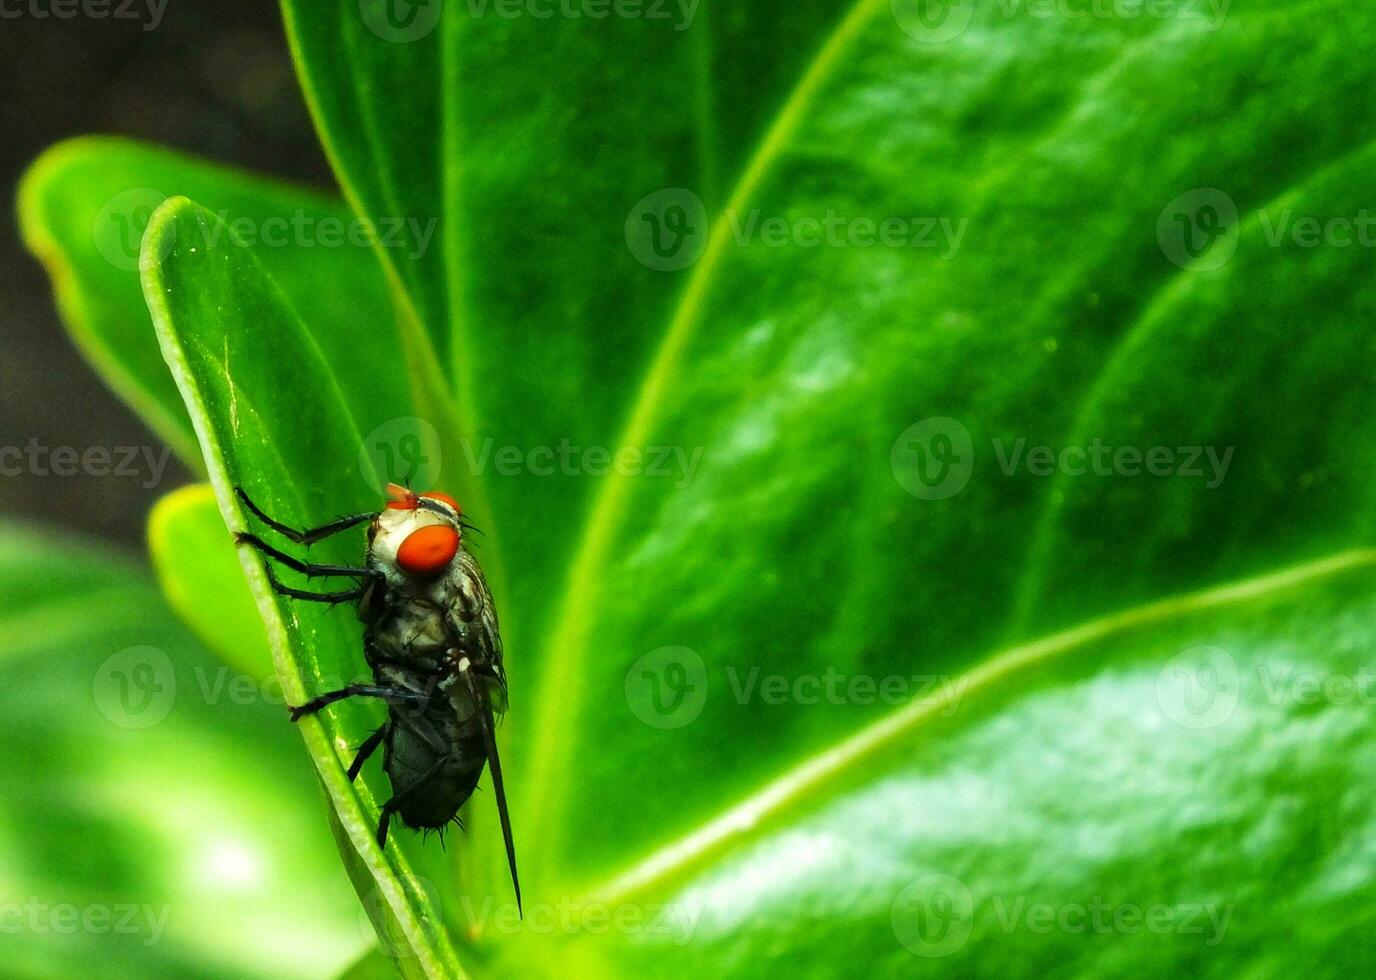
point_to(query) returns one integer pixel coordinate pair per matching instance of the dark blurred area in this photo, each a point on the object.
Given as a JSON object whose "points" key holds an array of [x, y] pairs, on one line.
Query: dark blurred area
{"points": [[213, 79]]}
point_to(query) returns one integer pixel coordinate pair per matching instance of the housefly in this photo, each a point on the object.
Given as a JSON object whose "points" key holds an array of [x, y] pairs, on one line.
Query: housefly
{"points": [[430, 637]]}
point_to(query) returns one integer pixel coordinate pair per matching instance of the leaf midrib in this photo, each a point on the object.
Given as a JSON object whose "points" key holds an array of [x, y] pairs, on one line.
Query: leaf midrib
{"points": [[814, 780]]}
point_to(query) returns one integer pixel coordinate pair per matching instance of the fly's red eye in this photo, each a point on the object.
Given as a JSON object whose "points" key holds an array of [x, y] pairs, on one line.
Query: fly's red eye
{"points": [[443, 498], [428, 550]]}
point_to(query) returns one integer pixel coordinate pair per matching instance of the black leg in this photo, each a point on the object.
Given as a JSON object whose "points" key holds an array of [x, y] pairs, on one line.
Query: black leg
{"points": [[390, 694], [309, 535], [365, 750], [304, 567], [334, 598], [394, 804]]}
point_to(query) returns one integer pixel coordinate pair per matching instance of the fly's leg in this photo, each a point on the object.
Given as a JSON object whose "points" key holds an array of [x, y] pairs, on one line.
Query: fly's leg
{"points": [[304, 567], [310, 535], [394, 804], [369, 576], [333, 598], [392, 695], [365, 750]]}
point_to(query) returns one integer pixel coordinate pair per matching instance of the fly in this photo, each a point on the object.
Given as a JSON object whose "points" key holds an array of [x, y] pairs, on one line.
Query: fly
{"points": [[431, 639]]}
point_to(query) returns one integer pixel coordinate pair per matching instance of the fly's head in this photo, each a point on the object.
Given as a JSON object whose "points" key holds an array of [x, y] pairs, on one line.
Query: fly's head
{"points": [[416, 535]]}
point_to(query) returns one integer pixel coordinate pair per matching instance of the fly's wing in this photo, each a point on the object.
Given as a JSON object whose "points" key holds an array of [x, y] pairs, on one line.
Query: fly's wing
{"points": [[478, 689], [485, 678]]}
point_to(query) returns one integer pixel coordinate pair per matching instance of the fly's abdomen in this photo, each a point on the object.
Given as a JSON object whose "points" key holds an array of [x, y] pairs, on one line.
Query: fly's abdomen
{"points": [[431, 786]]}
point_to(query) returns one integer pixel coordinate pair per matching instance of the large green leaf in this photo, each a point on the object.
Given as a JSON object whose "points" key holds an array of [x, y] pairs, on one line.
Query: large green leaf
{"points": [[156, 816], [806, 374], [83, 208], [1036, 291]]}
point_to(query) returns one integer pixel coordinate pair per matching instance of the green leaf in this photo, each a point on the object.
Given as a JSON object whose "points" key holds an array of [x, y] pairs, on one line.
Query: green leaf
{"points": [[676, 742], [156, 817], [83, 208], [199, 572], [239, 352]]}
